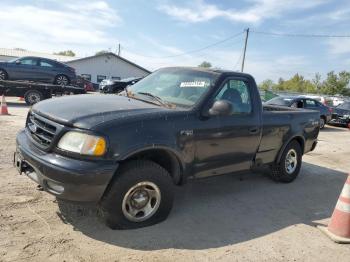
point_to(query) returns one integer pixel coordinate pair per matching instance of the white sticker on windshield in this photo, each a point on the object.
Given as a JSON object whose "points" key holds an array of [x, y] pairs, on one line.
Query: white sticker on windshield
{"points": [[193, 84]]}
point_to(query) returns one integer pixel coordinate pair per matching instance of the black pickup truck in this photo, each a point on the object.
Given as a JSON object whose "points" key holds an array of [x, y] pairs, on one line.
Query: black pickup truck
{"points": [[126, 152]]}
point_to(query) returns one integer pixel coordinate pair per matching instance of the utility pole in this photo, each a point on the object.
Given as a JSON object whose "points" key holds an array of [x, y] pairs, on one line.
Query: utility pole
{"points": [[119, 49], [245, 48]]}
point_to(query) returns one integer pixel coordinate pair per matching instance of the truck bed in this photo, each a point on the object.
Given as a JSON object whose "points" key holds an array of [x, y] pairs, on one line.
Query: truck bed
{"points": [[279, 123]]}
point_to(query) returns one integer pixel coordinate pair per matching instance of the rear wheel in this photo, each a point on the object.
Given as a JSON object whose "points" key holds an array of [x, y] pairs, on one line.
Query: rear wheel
{"points": [[289, 167], [3, 74], [141, 195], [61, 80], [33, 96], [322, 122]]}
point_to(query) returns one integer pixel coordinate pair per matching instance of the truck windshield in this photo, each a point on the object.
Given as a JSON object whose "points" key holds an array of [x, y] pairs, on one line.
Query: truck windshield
{"points": [[178, 86]]}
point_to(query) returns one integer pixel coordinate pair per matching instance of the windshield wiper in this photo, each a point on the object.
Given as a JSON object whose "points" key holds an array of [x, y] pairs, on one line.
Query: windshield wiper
{"points": [[157, 98]]}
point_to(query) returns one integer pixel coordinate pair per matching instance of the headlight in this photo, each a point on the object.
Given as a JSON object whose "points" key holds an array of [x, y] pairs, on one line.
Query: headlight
{"points": [[83, 144]]}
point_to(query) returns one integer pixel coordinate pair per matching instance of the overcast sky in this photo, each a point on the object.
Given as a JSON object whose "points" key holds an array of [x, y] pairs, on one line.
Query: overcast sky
{"points": [[149, 30]]}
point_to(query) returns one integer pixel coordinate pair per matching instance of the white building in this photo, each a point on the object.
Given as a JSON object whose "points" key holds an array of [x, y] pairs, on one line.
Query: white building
{"points": [[107, 65], [94, 68]]}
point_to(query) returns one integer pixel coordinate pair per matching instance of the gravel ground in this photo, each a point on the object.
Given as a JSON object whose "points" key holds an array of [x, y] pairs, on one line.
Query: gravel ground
{"points": [[227, 218]]}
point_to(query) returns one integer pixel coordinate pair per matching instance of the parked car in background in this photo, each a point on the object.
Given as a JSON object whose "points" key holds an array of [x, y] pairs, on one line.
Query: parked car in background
{"points": [[37, 69], [341, 115], [337, 101], [86, 84], [304, 102], [111, 86]]}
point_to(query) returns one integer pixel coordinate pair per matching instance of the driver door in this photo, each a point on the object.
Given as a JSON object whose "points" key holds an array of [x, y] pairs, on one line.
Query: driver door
{"points": [[226, 144]]}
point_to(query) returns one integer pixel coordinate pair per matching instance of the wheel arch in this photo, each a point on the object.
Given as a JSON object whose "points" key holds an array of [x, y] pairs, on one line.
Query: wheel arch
{"points": [[167, 158], [298, 139]]}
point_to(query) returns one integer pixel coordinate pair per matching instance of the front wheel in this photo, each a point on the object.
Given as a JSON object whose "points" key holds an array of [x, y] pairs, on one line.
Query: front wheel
{"points": [[322, 122], [3, 74], [140, 195], [289, 167]]}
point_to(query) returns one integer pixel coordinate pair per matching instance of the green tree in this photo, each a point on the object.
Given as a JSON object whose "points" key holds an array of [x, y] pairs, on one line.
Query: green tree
{"points": [[205, 64], [65, 53], [267, 84], [296, 84], [336, 83], [317, 81]]}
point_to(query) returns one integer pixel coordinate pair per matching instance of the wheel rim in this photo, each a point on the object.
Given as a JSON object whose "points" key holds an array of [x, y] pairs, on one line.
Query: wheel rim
{"points": [[141, 201], [291, 161], [2, 75], [62, 80], [321, 123], [33, 98]]}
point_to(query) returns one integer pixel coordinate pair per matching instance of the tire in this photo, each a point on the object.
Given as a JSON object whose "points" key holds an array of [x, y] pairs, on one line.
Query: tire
{"points": [[32, 97], [61, 80], [146, 180], [280, 172], [3, 74], [322, 122]]}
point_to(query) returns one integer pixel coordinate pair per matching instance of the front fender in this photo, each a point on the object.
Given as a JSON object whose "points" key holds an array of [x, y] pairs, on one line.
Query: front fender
{"points": [[156, 146]]}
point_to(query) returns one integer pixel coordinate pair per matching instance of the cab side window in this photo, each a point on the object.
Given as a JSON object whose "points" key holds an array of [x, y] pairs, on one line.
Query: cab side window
{"points": [[310, 103], [238, 94]]}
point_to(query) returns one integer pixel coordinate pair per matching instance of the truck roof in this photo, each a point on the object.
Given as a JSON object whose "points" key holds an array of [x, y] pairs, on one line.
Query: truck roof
{"points": [[213, 70]]}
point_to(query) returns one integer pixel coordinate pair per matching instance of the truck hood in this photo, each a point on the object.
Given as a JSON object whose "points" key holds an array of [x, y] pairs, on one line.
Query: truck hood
{"points": [[87, 111]]}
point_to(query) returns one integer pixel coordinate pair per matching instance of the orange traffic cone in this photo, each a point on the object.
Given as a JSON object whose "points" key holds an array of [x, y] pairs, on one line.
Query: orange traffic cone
{"points": [[339, 226], [3, 106]]}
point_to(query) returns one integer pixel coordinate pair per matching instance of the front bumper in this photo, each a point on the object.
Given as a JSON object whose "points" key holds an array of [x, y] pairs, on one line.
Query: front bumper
{"points": [[81, 180], [339, 122]]}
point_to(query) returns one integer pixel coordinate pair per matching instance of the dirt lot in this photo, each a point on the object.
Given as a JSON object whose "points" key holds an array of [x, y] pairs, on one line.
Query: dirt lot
{"points": [[227, 218]]}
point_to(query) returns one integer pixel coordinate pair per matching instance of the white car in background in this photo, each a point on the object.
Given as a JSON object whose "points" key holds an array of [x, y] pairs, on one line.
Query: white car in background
{"points": [[337, 101]]}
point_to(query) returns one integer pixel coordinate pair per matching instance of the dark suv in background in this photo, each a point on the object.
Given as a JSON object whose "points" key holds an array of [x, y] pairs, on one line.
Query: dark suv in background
{"points": [[341, 115], [304, 102], [37, 69]]}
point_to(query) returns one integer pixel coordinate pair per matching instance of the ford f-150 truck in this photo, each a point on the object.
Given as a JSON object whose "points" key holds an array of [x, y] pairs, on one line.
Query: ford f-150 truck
{"points": [[126, 152]]}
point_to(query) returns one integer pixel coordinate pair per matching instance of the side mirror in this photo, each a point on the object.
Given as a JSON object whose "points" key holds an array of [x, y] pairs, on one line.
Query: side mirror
{"points": [[18, 62], [221, 108]]}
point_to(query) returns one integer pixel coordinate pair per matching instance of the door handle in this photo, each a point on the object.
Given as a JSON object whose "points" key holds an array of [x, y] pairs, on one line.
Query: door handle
{"points": [[254, 130]]}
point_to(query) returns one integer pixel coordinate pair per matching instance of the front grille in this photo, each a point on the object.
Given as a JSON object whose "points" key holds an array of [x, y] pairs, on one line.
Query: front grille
{"points": [[41, 130]]}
